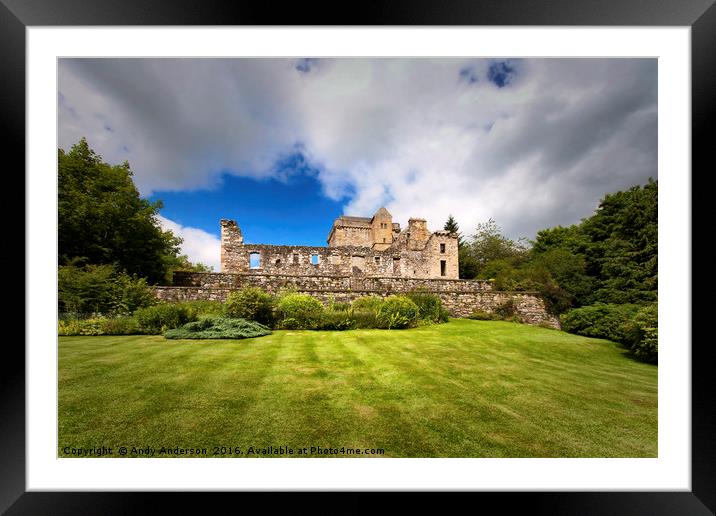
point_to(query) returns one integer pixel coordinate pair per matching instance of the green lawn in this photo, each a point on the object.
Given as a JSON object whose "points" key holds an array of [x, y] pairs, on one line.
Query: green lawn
{"points": [[462, 389]]}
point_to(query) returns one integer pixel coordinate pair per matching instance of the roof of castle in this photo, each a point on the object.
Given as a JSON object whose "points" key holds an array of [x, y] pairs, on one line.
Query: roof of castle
{"points": [[383, 212], [345, 220], [349, 220]]}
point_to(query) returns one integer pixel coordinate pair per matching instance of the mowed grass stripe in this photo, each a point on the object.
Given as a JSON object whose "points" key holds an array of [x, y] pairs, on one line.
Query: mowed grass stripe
{"points": [[462, 389]]}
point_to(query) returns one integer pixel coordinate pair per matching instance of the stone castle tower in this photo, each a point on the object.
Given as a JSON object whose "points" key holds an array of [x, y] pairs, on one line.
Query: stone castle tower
{"points": [[357, 246], [364, 256], [376, 232]]}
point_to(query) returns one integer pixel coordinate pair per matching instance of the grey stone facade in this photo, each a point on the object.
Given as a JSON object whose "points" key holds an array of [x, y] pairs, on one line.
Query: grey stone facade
{"points": [[357, 246], [364, 256]]}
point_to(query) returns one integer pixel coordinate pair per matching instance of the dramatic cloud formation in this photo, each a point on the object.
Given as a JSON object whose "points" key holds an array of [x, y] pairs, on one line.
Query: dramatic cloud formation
{"points": [[531, 143], [198, 245]]}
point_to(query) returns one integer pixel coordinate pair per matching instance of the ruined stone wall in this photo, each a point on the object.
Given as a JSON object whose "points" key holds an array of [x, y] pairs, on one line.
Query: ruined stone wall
{"points": [[274, 282], [347, 260], [414, 253], [441, 246], [418, 234], [529, 306], [351, 236], [231, 244], [299, 260], [460, 297]]}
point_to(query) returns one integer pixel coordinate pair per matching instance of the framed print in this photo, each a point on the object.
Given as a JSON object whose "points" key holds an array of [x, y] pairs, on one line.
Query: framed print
{"points": [[331, 187]]}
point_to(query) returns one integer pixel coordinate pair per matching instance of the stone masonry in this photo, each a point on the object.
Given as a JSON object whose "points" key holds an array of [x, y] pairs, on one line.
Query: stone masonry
{"points": [[364, 256], [460, 297], [357, 246]]}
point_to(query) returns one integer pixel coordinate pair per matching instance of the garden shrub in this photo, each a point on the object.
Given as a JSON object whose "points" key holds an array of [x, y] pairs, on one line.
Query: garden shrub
{"points": [[101, 289], [71, 327], [340, 307], [506, 310], [122, 325], [155, 320], [430, 307], [299, 311], [204, 308], [648, 347], [367, 304], [337, 320], [600, 320], [251, 303], [641, 333], [130, 293], [215, 327], [365, 319], [397, 312], [290, 323]]}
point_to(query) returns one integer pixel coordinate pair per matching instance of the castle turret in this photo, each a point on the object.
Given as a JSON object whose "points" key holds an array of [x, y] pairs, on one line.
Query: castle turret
{"points": [[418, 231], [382, 225], [231, 241]]}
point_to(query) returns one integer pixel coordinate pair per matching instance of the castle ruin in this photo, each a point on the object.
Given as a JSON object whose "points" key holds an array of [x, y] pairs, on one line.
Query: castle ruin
{"points": [[357, 246], [364, 256]]}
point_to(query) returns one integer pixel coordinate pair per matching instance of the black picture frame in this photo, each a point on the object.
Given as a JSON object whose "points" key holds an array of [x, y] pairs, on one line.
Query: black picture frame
{"points": [[700, 15]]}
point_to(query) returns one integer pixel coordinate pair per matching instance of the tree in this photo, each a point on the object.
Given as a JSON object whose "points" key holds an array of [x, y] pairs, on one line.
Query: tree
{"points": [[623, 245], [103, 220], [488, 243], [452, 226], [610, 257], [182, 263], [467, 264], [571, 238], [567, 272], [100, 289]]}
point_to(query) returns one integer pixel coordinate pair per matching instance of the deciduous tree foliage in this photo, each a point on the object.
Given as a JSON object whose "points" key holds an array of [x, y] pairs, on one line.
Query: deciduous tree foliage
{"points": [[488, 244], [103, 220], [610, 257], [618, 245]]}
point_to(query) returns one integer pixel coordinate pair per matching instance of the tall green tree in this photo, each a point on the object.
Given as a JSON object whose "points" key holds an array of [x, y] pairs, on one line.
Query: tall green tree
{"points": [[103, 220], [610, 257], [489, 243], [452, 226], [623, 236]]}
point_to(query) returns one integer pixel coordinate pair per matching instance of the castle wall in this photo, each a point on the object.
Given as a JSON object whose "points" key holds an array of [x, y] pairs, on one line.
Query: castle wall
{"points": [[460, 297], [274, 282], [231, 244], [357, 246], [418, 234], [351, 236], [299, 260], [344, 260], [356, 263]]}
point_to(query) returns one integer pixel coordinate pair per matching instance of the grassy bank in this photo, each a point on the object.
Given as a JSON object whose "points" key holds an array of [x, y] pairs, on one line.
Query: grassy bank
{"points": [[462, 389]]}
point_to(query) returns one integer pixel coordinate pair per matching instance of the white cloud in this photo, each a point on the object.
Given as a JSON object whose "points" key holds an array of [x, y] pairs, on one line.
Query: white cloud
{"points": [[413, 134], [198, 245]]}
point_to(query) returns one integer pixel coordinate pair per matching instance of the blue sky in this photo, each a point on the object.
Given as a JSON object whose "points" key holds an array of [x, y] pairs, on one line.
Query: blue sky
{"points": [[268, 211], [283, 146]]}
